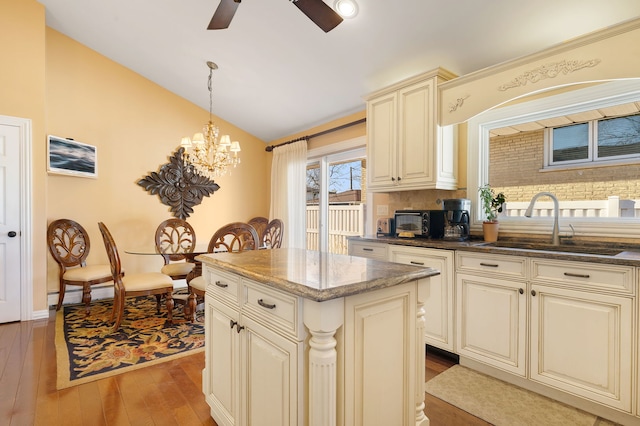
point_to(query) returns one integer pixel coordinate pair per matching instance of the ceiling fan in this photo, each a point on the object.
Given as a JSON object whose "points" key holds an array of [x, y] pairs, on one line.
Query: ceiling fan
{"points": [[316, 10]]}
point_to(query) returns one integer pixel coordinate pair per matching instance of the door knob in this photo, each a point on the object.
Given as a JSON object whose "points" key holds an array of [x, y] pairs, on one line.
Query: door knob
{"points": [[12, 234]]}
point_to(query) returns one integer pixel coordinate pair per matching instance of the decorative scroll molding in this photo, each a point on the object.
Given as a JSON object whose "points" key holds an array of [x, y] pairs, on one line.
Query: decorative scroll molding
{"points": [[178, 185], [458, 104], [550, 70]]}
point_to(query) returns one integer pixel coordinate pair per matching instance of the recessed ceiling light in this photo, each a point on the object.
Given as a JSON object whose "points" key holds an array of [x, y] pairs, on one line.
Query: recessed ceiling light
{"points": [[346, 8]]}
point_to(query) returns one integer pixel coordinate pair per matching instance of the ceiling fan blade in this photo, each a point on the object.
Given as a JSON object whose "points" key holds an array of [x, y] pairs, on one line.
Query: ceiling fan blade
{"points": [[223, 15], [320, 13]]}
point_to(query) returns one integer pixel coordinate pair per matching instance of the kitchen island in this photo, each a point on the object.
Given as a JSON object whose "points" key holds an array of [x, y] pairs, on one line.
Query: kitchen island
{"points": [[297, 337]]}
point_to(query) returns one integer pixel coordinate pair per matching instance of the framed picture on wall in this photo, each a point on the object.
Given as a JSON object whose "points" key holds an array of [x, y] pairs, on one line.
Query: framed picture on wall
{"points": [[69, 157]]}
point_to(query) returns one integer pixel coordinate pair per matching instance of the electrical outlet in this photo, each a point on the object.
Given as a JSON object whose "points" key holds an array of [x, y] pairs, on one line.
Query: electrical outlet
{"points": [[383, 210]]}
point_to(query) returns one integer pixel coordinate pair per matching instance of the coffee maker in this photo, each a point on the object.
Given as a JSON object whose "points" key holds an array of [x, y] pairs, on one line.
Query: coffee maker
{"points": [[457, 213]]}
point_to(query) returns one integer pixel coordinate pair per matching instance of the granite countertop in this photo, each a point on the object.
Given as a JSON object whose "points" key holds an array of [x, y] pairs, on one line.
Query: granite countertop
{"points": [[577, 250], [315, 275]]}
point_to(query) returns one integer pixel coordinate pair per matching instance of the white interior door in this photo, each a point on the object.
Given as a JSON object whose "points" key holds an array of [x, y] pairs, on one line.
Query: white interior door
{"points": [[10, 232]]}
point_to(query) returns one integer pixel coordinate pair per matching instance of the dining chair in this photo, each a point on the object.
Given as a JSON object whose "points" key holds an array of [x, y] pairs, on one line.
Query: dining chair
{"points": [[260, 224], [69, 246], [233, 237], [173, 237], [140, 284], [273, 234]]}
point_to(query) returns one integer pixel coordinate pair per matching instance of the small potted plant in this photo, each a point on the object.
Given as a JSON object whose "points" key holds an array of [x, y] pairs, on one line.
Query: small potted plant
{"points": [[492, 205]]}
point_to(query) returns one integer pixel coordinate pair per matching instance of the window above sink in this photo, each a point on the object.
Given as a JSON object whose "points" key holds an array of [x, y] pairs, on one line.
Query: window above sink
{"points": [[606, 183]]}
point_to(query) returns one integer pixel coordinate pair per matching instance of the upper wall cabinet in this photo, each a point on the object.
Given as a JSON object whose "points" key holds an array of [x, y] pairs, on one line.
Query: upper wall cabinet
{"points": [[406, 148]]}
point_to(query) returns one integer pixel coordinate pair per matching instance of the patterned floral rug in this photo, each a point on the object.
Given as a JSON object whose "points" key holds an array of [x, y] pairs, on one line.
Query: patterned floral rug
{"points": [[87, 350]]}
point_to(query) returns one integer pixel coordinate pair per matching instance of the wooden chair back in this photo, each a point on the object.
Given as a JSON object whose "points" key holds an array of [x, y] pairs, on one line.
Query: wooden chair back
{"points": [[112, 254], [234, 237], [68, 243], [273, 234], [174, 236], [260, 224]]}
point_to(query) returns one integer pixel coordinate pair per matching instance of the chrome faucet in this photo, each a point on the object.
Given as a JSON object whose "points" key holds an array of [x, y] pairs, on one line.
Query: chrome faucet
{"points": [[555, 235]]}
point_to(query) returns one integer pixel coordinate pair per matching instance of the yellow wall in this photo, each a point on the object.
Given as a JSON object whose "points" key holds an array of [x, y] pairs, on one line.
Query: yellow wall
{"points": [[135, 125]]}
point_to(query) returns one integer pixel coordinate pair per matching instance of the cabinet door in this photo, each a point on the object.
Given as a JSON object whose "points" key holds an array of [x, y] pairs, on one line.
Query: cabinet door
{"points": [[221, 375], [381, 363], [436, 293], [382, 141], [491, 321], [416, 135], [581, 342], [271, 380]]}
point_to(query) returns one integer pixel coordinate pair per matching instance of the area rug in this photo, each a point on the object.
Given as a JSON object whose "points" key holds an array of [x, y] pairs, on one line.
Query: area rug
{"points": [[501, 403], [88, 350]]}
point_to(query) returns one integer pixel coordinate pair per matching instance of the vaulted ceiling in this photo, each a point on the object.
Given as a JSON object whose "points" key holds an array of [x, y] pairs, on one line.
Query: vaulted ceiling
{"points": [[280, 74]]}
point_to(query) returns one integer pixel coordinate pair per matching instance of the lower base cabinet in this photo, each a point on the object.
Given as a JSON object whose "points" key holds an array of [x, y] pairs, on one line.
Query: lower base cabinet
{"points": [[357, 360], [567, 326]]}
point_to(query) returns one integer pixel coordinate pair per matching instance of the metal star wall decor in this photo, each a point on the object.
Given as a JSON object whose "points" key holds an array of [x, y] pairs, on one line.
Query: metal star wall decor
{"points": [[178, 185]]}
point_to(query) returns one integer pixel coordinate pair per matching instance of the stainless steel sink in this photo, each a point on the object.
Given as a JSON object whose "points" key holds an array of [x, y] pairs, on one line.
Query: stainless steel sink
{"points": [[580, 247]]}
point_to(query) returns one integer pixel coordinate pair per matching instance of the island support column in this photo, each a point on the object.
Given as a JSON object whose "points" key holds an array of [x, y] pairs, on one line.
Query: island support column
{"points": [[323, 319]]}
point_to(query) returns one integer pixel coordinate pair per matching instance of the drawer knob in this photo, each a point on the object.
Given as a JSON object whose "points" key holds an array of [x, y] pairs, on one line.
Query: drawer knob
{"points": [[221, 284], [266, 305]]}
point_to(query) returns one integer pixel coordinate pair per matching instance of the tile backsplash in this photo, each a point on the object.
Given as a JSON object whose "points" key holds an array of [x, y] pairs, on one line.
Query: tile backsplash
{"points": [[429, 199]]}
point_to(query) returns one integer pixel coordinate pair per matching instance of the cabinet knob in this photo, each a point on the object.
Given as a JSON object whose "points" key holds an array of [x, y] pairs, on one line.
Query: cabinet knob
{"points": [[521, 291], [533, 292], [239, 327], [393, 179], [232, 323], [399, 178]]}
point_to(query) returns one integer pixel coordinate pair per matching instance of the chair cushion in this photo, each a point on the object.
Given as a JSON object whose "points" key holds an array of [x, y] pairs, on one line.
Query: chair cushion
{"points": [[146, 281], [180, 268], [87, 273], [198, 283]]}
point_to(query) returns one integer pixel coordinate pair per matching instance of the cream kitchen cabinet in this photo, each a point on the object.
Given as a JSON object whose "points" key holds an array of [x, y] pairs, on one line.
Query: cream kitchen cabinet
{"points": [[491, 308], [252, 369], [578, 317], [406, 148], [437, 294], [292, 337], [582, 329], [367, 249]]}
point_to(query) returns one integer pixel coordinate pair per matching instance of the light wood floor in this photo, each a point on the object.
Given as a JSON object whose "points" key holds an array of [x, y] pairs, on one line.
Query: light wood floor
{"points": [[165, 394]]}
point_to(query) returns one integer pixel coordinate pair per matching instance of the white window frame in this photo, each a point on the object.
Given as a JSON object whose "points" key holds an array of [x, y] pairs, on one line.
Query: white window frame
{"points": [[603, 95], [593, 159]]}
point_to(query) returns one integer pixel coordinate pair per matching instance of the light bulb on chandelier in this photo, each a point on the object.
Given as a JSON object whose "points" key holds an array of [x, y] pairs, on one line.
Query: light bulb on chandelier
{"points": [[207, 154]]}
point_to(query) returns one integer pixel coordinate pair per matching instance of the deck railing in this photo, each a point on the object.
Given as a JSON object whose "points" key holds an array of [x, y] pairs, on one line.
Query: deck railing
{"points": [[344, 221], [611, 207]]}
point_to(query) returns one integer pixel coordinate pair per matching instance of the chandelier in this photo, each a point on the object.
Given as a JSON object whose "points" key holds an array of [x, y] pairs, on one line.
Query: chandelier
{"points": [[207, 154]]}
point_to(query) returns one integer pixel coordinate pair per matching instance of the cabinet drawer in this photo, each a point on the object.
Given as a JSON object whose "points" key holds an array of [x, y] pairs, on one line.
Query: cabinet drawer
{"points": [[271, 307], [588, 275], [222, 286], [506, 266], [370, 250]]}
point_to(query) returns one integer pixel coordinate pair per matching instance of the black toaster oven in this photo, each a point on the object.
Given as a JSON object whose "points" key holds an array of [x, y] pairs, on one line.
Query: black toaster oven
{"points": [[420, 223]]}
